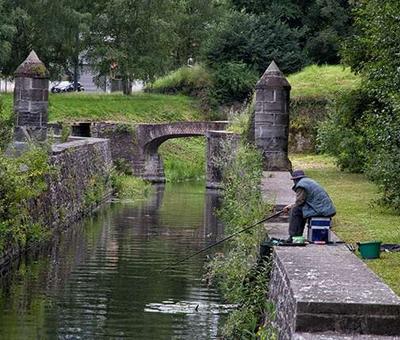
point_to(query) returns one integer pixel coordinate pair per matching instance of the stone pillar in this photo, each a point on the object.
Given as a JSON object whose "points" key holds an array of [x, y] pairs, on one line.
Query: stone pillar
{"points": [[31, 95], [216, 155], [271, 127]]}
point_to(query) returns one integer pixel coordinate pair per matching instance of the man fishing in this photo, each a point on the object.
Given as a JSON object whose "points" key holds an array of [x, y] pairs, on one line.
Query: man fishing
{"points": [[311, 201]]}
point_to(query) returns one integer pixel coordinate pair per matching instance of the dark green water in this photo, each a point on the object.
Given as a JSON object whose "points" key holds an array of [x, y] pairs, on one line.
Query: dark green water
{"points": [[100, 279]]}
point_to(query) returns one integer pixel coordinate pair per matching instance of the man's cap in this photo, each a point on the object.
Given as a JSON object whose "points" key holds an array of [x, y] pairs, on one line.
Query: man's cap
{"points": [[297, 174]]}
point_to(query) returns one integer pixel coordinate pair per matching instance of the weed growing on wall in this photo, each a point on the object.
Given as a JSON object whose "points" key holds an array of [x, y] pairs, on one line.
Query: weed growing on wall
{"points": [[22, 179], [128, 187], [238, 273]]}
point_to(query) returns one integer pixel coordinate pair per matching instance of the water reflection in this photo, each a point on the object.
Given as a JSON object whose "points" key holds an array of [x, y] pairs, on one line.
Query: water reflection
{"points": [[101, 279]]}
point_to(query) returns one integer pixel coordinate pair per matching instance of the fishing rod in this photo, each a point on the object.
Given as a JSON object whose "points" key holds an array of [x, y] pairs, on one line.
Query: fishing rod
{"points": [[223, 240]]}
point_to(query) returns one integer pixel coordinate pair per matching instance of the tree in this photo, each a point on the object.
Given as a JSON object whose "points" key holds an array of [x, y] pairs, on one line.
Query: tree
{"points": [[321, 24], [52, 28], [373, 49], [326, 23], [135, 38], [7, 32], [193, 21], [255, 40]]}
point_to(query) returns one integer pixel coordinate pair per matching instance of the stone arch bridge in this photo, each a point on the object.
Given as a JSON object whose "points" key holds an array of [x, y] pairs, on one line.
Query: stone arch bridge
{"points": [[136, 146]]}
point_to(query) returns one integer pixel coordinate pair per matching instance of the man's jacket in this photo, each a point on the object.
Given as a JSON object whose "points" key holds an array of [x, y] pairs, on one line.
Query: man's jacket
{"points": [[318, 202]]}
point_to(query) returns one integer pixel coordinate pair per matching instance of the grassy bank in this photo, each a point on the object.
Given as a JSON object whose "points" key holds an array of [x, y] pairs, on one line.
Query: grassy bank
{"points": [[313, 90], [322, 81], [357, 218], [140, 107]]}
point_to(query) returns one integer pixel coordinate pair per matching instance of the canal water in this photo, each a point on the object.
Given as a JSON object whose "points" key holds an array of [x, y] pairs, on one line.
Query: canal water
{"points": [[101, 279]]}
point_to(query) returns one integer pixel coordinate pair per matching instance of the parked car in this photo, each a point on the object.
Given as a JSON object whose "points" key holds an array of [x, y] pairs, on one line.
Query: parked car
{"points": [[66, 86]]}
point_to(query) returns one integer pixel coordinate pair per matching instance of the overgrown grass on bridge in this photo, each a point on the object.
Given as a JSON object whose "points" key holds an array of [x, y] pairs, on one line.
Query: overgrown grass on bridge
{"points": [[140, 107], [357, 219]]}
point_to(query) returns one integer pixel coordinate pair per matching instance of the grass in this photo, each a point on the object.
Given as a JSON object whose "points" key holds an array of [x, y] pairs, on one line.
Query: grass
{"points": [[138, 108], [184, 159], [184, 80], [322, 81], [357, 219]]}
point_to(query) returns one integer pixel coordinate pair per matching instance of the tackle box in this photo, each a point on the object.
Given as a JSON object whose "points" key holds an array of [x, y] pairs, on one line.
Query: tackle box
{"points": [[318, 230]]}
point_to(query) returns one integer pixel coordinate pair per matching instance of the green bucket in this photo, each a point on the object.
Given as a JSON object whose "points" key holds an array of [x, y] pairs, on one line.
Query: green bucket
{"points": [[370, 250]]}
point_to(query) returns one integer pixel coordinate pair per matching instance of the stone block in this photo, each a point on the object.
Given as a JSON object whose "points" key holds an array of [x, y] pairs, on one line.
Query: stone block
{"points": [[40, 83], [24, 94], [272, 144], [21, 105], [267, 119], [271, 131], [36, 133], [276, 161], [39, 107], [282, 119], [275, 106], [36, 95], [259, 107], [23, 83], [29, 119], [265, 95]]}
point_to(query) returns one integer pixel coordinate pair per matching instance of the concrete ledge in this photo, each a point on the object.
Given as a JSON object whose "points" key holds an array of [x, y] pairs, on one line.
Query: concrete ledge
{"points": [[336, 336], [325, 291]]}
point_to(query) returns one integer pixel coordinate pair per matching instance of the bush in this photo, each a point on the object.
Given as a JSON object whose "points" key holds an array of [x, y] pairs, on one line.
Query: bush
{"points": [[193, 81], [6, 124], [233, 82], [343, 134], [185, 80], [22, 180], [128, 187]]}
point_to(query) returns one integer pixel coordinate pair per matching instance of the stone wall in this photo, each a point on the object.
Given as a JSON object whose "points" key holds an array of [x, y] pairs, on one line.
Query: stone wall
{"points": [[282, 296], [123, 143], [80, 180]]}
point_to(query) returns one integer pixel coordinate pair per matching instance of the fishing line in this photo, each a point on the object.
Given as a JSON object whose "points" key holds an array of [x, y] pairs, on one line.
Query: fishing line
{"points": [[223, 240]]}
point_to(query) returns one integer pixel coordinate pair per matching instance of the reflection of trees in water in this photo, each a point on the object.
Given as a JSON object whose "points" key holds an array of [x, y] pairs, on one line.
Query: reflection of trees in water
{"points": [[133, 240]]}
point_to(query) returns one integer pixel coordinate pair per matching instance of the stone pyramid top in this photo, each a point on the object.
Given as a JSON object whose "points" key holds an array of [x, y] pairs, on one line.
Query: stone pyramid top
{"points": [[272, 78], [32, 67]]}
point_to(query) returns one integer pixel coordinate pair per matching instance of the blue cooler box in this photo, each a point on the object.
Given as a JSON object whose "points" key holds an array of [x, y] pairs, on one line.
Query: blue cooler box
{"points": [[319, 229]]}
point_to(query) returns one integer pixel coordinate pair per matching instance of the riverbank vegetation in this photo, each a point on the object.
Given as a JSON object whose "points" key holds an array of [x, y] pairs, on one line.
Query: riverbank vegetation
{"points": [[23, 179], [358, 218], [239, 274]]}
